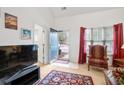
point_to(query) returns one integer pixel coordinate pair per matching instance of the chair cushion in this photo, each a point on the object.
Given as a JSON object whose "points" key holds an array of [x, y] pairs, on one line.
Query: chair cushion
{"points": [[97, 61]]}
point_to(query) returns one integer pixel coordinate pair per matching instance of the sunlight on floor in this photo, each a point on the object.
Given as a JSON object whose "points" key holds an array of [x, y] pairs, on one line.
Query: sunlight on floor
{"points": [[69, 65]]}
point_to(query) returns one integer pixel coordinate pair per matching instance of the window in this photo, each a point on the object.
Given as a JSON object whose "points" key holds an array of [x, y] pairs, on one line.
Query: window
{"points": [[88, 34], [97, 34], [108, 31], [108, 37], [101, 36], [88, 39]]}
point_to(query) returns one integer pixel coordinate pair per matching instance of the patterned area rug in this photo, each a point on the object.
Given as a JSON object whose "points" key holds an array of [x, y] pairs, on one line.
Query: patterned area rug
{"points": [[65, 78]]}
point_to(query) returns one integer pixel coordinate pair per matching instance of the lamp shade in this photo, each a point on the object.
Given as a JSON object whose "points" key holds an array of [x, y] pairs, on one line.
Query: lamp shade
{"points": [[122, 46]]}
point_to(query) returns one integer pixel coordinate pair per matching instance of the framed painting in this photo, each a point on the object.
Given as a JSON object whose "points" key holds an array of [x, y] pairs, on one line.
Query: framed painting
{"points": [[10, 21], [25, 34]]}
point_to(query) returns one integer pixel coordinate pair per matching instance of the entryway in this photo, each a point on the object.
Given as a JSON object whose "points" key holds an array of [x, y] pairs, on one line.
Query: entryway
{"points": [[59, 46], [39, 37]]}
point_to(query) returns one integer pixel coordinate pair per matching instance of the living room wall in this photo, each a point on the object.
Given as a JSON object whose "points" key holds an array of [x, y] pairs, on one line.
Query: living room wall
{"points": [[96, 19], [27, 18]]}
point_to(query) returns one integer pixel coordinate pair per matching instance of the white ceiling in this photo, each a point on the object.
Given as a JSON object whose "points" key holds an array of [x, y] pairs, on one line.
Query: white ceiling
{"points": [[70, 11]]}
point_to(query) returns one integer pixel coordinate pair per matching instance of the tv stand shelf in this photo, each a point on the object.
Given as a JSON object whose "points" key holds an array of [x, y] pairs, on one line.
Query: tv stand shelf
{"points": [[26, 76]]}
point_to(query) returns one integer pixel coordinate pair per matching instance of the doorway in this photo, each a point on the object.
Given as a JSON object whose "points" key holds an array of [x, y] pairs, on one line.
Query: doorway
{"points": [[63, 45], [59, 46], [53, 54], [39, 40]]}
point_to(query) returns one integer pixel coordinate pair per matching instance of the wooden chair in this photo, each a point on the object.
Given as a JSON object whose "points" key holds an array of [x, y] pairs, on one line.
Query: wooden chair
{"points": [[97, 56]]}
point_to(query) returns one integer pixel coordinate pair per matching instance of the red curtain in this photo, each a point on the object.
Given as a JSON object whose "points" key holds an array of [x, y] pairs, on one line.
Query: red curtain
{"points": [[82, 48], [118, 40]]}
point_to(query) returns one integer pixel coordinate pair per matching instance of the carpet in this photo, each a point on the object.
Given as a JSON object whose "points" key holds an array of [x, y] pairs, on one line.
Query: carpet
{"points": [[65, 78]]}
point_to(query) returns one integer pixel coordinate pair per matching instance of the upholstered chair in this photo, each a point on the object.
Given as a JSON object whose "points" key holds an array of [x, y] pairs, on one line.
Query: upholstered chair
{"points": [[97, 56]]}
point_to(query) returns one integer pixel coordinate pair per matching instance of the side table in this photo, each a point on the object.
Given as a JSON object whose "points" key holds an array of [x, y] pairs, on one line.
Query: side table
{"points": [[118, 63]]}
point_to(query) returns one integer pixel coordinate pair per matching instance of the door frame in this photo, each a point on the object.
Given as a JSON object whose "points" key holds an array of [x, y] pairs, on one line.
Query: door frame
{"points": [[40, 41]]}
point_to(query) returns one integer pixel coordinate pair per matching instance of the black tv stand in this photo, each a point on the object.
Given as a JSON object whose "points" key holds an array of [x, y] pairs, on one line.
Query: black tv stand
{"points": [[25, 76]]}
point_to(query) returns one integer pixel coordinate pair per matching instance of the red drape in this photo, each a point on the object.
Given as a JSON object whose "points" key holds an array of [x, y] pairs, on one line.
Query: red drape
{"points": [[82, 48], [118, 40]]}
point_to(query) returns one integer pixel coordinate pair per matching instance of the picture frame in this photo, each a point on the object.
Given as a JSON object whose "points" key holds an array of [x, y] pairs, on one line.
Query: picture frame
{"points": [[25, 34], [11, 21]]}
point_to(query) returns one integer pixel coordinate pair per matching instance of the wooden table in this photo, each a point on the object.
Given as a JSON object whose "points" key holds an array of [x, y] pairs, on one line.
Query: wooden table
{"points": [[118, 63]]}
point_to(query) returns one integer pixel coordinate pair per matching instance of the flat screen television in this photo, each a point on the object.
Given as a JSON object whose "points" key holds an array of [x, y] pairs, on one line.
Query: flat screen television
{"points": [[16, 57]]}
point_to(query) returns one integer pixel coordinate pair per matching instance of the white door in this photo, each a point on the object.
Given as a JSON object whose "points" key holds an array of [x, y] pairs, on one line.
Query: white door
{"points": [[38, 39]]}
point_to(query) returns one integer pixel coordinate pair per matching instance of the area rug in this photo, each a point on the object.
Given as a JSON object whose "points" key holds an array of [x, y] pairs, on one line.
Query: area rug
{"points": [[65, 78]]}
